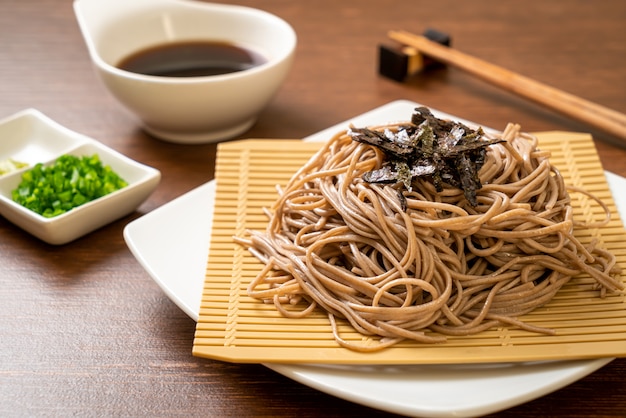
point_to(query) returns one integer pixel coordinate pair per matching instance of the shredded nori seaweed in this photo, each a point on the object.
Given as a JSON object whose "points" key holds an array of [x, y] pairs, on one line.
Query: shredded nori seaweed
{"points": [[447, 151]]}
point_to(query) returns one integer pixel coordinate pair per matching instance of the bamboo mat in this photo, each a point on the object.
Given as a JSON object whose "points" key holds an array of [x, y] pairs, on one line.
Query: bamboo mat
{"points": [[234, 327]]}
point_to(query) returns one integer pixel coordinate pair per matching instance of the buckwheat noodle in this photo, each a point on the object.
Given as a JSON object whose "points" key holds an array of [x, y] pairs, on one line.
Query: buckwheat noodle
{"points": [[435, 268]]}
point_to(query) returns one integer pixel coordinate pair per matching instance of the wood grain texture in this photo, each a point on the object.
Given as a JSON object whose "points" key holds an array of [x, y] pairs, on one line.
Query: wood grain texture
{"points": [[84, 331], [579, 109]]}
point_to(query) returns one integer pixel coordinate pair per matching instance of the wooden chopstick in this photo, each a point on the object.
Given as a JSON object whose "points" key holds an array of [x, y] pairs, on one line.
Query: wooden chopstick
{"points": [[601, 117]]}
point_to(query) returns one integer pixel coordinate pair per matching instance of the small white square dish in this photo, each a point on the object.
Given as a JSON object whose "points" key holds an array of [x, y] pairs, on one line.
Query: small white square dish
{"points": [[30, 137]]}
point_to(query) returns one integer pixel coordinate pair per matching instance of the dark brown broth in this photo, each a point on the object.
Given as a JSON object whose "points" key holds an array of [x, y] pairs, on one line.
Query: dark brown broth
{"points": [[191, 59]]}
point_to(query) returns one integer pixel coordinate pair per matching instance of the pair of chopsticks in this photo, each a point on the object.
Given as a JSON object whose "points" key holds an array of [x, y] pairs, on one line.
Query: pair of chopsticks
{"points": [[601, 117]]}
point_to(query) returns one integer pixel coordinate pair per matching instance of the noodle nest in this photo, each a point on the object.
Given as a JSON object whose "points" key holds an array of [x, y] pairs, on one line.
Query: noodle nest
{"points": [[423, 264]]}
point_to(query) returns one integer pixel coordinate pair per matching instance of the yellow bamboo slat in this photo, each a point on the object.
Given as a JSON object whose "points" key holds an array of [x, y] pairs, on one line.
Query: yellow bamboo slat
{"points": [[235, 327]]}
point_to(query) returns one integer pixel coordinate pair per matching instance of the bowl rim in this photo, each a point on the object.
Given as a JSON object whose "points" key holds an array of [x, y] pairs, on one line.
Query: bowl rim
{"points": [[102, 65]]}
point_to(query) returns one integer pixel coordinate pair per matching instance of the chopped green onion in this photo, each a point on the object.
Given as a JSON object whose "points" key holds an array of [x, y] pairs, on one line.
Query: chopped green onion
{"points": [[70, 182]]}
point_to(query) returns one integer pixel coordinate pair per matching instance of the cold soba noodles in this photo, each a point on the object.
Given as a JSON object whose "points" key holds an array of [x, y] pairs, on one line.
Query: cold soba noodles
{"points": [[423, 230]]}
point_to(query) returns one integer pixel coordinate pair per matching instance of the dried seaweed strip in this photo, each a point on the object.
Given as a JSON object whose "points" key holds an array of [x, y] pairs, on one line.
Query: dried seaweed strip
{"points": [[387, 141], [447, 151]]}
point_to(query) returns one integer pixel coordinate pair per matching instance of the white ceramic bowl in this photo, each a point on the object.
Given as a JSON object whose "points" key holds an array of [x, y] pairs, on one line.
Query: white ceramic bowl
{"points": [[187, 109], [31, 137]]}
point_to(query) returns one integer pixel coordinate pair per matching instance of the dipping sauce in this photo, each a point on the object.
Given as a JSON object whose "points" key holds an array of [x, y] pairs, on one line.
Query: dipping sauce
{"points": [[192, 59]]}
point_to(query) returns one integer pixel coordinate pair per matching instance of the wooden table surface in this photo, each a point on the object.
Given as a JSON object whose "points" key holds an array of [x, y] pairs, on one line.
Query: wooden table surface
{"points": [[84, 330]]}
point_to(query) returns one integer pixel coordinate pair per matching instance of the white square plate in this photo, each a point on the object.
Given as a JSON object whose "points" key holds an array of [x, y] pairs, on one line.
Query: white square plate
{"points": [[172, 244]]}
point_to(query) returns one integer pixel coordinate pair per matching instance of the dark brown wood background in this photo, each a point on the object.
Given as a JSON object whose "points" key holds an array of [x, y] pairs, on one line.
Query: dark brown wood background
{"points": [[84, 331]]}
